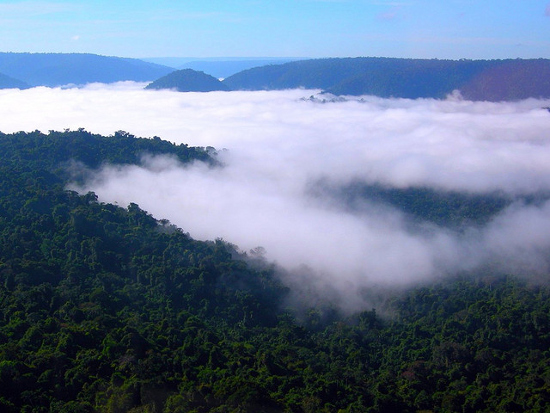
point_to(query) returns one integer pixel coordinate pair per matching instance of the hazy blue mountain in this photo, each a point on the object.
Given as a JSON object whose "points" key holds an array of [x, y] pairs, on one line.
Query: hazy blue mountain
{"points": [[57, 69], [409, 78], [8, 82], [406, 78], [188, 80], [510, 80]]}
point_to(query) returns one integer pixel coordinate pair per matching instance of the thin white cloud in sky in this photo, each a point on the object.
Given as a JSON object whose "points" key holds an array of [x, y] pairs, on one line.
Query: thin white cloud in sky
{"points": [[280, 146]]}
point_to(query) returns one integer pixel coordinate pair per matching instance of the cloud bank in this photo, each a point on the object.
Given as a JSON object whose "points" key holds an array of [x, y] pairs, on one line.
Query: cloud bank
{"points": [[280, 144]]}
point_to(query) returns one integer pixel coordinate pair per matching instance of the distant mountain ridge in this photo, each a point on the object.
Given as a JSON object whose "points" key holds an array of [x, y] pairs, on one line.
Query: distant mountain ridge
{"points": [[491, 80], [188, 80], [510, 79], [58, 69]]}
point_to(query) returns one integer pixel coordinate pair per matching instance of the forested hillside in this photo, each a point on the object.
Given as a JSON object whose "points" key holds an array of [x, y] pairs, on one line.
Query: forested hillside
{"points": [[188, 80], [58, 69], [493, 80], [105, 308]]}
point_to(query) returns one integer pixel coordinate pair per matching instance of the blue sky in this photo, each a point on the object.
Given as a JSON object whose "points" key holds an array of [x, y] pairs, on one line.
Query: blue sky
{"points": [[454, 29]]}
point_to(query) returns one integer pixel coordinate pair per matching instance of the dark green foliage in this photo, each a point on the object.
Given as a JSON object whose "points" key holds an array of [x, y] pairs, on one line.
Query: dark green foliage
{"points": [[404, 78], [53, 153], [451, 209], [107, 309], [445, 208], [188, 80], [58, 69], [473, 345]]}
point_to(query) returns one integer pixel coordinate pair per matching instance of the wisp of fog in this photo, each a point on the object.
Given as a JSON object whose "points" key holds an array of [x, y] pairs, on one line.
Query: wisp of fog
{"points": [[279, 147]]}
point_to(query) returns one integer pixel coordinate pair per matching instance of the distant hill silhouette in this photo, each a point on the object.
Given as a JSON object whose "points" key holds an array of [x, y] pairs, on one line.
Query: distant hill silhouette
{"points": [[405, 78], [188, 80], [58, 69], [8, 82]]}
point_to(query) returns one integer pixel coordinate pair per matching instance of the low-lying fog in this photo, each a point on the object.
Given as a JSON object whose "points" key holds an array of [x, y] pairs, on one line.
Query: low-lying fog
{"points": [[276, 146]]}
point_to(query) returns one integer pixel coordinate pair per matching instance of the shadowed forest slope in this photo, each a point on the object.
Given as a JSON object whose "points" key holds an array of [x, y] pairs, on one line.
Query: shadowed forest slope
{"points": [[493, 80]]}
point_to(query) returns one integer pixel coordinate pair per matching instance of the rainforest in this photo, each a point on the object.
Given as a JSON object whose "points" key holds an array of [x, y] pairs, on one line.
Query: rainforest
{"points": [[246, 206], [104, 307]]}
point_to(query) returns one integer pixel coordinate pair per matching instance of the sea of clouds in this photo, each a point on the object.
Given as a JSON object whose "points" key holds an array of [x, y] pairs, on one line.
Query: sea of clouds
{"points": [[276, 145]]}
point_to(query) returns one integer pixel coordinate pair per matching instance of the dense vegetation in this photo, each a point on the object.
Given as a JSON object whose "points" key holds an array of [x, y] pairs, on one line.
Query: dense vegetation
{"points": [[405, 78], [108, 309], [451, 209], [58, 69], [188, 80]]}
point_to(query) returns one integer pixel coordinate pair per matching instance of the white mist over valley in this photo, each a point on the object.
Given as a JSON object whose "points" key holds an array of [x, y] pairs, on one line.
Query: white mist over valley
{"points": [[287, 156]]}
